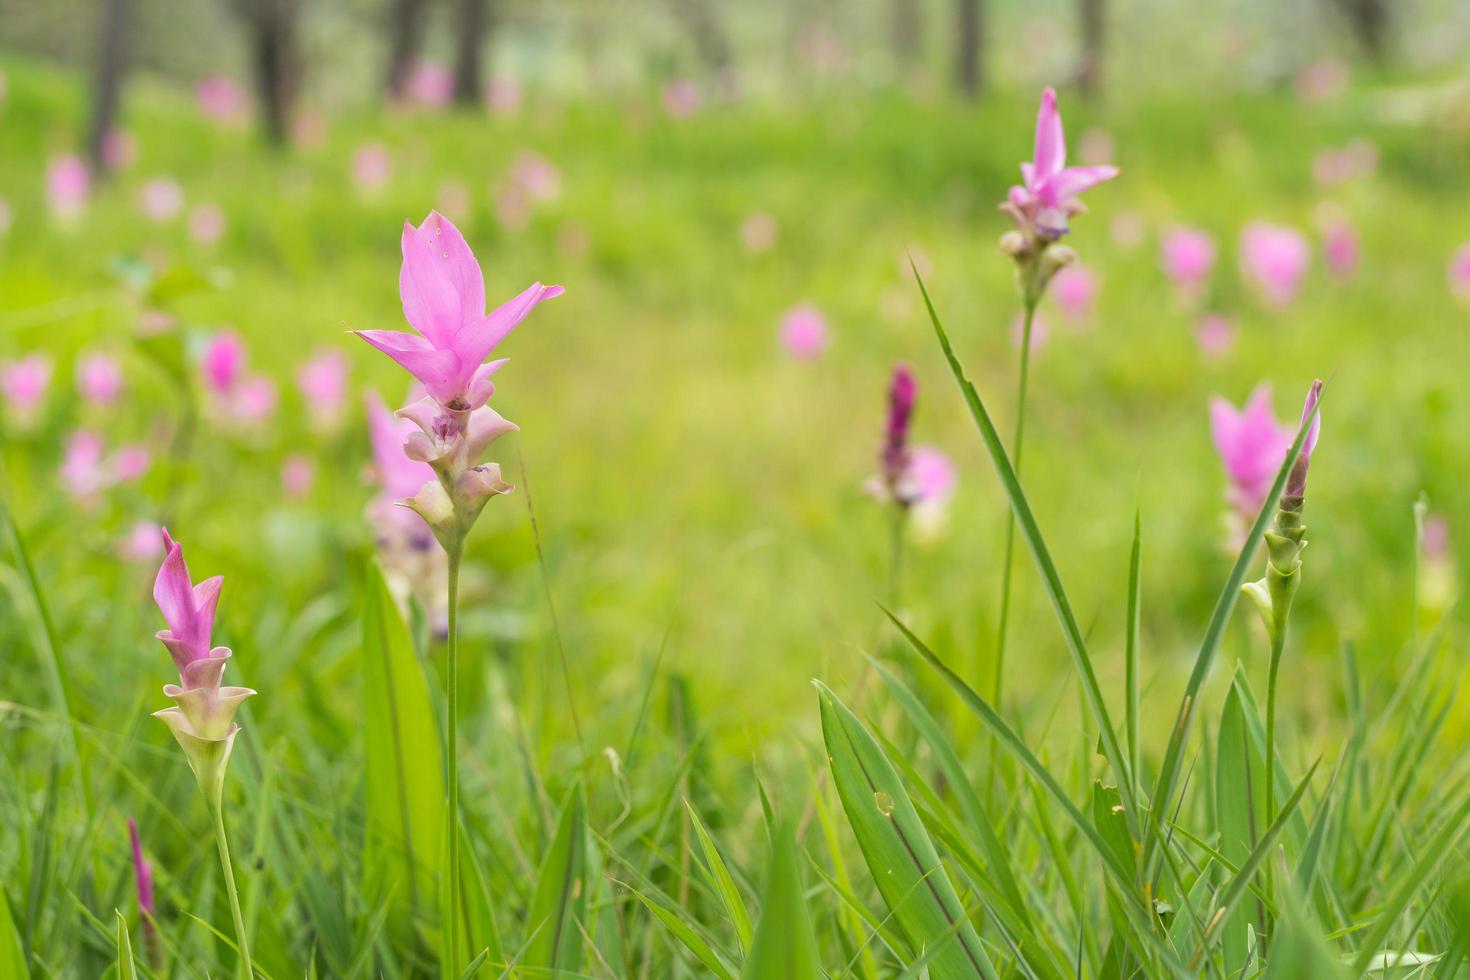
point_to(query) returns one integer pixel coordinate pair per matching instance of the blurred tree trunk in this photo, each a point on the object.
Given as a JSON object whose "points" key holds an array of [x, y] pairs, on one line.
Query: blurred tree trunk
{"points": [[112, 65], [908, 31], [272, 26], [406, 34], [1369, 21], [702, 20], [969, 35], [1093, 18], [468, 75]]}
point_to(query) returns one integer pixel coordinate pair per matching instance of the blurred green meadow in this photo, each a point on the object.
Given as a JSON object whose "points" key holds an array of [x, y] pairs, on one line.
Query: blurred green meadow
{"points": [[701, 528]]}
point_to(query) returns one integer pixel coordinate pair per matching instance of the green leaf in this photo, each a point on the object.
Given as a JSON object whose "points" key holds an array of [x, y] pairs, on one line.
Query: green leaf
{"points": [[404, 780], [785, 945], [126, 970], [12, 950], [897, 848], [558, 905], [691, 939], [721, 880]]}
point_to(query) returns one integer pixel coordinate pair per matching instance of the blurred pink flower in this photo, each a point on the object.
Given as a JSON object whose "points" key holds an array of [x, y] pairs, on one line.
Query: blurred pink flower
{"points": [[23, 385], [1321, 80], [681, 98], [503, 94], [131, 462], [99, 379], [1252, 445], [298, 473], [161, 199], [1356, 159], [86, 471], [1040, 331], [206, 224], [804, 332], [323, 381], [1188, 255], [429, 85], [372, 166], [223, 361], [1274, 258], [399, 477], [758, 232], [1048, 197], [443, 294], [1435, 541], [932, 474], [1074, 289], [221, 98], [253, 401], [142, 542], [1459, 271], [142, 876], [1215, 334], [536, 175], [68, 184], [119, 149], [1340, 248]]}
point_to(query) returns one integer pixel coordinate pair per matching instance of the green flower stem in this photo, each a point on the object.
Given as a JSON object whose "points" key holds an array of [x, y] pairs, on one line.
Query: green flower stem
{"points": [[452, 746], [242, 940], [1032, 296]]}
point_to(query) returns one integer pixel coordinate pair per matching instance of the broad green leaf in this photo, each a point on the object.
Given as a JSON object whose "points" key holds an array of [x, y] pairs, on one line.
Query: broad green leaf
{"points": [[559, 903], [404, 781], [897, 848]]}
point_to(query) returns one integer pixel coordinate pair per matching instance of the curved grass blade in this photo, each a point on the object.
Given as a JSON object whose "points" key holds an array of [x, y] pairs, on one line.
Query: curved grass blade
{"points": [[785, 944], [1131, 655], [722, 881], [126, 969], [897, 848], [559, 903], [1050, 578], [12, 950], [681, 930]]}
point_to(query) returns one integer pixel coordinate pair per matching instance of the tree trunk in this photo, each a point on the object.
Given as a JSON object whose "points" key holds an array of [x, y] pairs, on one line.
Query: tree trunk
{"points": [[468, 76], [968, 38], [701, 18], [272, 26], [406, 35], [1093, 15], [1369, 21], [112, 64], [908, 32]]}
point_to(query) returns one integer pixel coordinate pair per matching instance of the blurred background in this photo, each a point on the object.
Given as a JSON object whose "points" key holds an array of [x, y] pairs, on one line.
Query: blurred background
{"points": [[197, 201]]}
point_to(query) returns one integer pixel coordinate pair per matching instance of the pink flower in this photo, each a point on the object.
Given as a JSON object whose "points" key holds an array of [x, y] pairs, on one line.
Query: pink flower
{"points": [[1296, 483], [1252, 445], [1188, 256], [99, 379], [503, 94], [142, 876], [372, 165], [893, 461], [323, 381], [86, 472], [1321, 80], [804, 332], [1340, 248], [68, 184], [298, 473], [1040, 331], [142, 542], [1215, 334], [131, 462], [1075, 289], [397, 474], [253, 401], [224, 361], [119, 149], [206, 224], [443, 293], [1274, 258], [221, 98], [1048, 196], [1459, 272], [430, 85], [161, 199], [932, 475], [536, 176], [758, 232], [681, 98], [23, 384]]}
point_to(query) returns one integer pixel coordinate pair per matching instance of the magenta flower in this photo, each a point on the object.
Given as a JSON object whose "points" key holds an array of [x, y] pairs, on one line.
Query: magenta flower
{"points": [[372, 165], [1075, 290], [323, 382], [1296, 484], [87, 471], [161, 199], [206, 224], [1459, 272], [68, 184], [1251, 444], [804, 332], [430, 85], [99, 379], [221, 98], [142, 876], [1188, 256], [1046, 200], [893, 460], [23, 385], [223, 362], [1274, 258], [443, 293]]}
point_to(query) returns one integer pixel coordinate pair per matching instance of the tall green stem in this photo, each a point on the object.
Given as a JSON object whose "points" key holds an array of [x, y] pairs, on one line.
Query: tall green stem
{"points": [[242, 941], [452, 747], [1005, 573], [1278, 644]]}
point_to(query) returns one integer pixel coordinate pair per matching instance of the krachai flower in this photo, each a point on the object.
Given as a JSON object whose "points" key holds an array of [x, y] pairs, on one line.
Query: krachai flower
{"points": [[1274, 258], [23, 385], [893, 459], [1296, 483], [1251, 444], [142, 876], [99, 379], [1042, 205], [323, 382], [1188, 256], [443, 293]]}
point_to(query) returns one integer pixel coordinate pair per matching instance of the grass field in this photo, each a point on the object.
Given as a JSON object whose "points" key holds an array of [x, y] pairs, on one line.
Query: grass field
{"points": [[708, 547]]}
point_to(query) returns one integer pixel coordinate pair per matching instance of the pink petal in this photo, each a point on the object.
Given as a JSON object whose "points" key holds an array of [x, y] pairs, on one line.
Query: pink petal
{"points": [[431, 304], [437, 369], [475, 342], [1074, 180], [1050, 154], [173, 592]]}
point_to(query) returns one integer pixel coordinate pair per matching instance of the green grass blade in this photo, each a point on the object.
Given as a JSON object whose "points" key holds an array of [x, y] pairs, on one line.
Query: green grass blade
{"points": [[692, 941], [785, 945], [897, 848], [1131, 654], [558, 905], [722, 881], [12, 950], [126, 969], [1050, 578]]}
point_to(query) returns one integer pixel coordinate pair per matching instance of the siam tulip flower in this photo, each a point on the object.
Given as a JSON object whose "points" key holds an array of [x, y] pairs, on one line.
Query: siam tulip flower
{"points": [[119, 149], [758, 232], [1274, 258], [1459, 272], [430, 85], [87, 471], [254, 401], [411, 564], [206, 224], [1215, 334], [222, 99], [162, 199], [503, 95], [142, 877], [99, 379], [893, 460], [323, 382], [372, 166], [223, 362], [1340, 248], [1296, 484], [298, 473], [23, 385], [443, 293], [1188, 256], [1075, 290], [681, 98], [68, 184], [933, 479], [141, 543], [804, 332], [1251, 444], [1042, 205]]}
